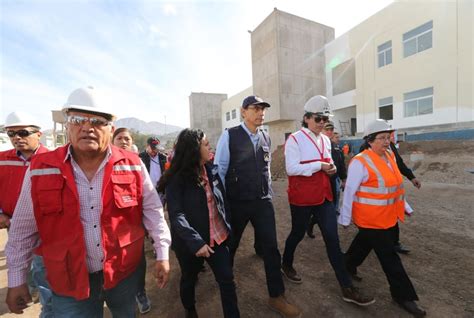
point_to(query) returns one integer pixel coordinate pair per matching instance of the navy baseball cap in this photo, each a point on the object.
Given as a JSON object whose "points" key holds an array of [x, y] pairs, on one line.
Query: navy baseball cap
{"points": [[254, 100], [153, 142]]}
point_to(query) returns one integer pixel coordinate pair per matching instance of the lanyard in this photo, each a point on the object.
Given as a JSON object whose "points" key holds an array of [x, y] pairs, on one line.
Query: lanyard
{"points": [[315, 145]]}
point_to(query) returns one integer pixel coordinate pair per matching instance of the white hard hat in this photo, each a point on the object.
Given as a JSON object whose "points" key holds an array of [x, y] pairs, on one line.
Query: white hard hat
{"points": [[376, 126], [16, 119], [319, 105], [86, 99]]}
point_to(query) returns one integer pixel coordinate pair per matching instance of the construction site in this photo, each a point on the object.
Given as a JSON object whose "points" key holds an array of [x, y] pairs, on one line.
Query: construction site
{"points": [[440, 235]]}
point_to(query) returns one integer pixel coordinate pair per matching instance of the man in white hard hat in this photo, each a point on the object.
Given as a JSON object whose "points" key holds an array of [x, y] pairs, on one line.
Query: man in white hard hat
{"points": [[374, 199], [83, 207], [24, 133], [309, 167]]}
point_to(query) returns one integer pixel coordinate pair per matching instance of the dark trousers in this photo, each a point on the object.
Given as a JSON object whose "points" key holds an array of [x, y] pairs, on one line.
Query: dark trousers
{"points": [[396, 234], [381, 241], [325, 216], [262, 216], [221, 265], [141, 273]]}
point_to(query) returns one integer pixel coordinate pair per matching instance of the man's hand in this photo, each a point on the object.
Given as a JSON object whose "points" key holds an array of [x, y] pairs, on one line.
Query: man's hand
{"points": [[205, 251], [329, 168], [18, 298], [416, 183], [4, 221], [162, 271]]}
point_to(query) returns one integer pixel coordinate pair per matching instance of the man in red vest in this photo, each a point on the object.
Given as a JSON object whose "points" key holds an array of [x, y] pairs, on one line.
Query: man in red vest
{"points": [[309, 166], [24, 134], [83, 207]]}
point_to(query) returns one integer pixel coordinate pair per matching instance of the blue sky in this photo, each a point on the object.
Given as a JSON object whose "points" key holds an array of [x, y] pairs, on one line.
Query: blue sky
{"points": [[143, 57]]}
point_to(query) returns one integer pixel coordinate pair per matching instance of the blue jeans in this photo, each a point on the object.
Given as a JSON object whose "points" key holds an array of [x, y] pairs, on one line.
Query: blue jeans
{"points": [[325, 215], [120, 299], [337, 193], [38, 273]]}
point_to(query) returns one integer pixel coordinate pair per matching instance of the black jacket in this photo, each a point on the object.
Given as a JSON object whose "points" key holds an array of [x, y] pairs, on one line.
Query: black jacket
{"points": [[338, 158], [400, 164], [146, 160], [188, 212]]}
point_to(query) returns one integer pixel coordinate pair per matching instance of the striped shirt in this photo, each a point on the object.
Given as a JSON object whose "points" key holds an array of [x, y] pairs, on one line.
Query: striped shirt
{"points": [[218, 232], [23, 235]]}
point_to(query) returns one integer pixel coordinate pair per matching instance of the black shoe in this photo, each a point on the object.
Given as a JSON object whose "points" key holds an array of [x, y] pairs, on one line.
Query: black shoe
{"points": [[190, 313], [290, 273], [411, 307], [399, 248], [353, 295]]}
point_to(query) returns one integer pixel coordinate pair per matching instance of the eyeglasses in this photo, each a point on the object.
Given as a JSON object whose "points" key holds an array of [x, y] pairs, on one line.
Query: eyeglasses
{"points": [[318, 119], [80, 121], [383, 138], [256, 108], [20, 133]]}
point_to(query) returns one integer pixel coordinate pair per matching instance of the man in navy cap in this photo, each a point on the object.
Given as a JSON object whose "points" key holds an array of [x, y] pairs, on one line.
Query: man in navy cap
{"points": [[154, 160], [243, 159]]}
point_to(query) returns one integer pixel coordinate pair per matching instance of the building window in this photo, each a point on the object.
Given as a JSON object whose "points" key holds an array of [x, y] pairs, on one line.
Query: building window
{"points": [[386, 108], [384, 52], [227, 116], [418, 102], [418, 39], [234, 113]]}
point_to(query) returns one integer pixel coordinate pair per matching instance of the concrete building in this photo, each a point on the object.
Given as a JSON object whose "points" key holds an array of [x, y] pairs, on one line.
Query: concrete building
{"points": [[411, 64], [288, 68], [205, 111]]}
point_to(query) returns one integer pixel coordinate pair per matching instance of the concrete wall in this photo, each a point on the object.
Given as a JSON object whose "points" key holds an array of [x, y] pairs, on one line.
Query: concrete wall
{"points": [[447, 66], [234, 103], [205, 112], [278, 129], [288, 67]]}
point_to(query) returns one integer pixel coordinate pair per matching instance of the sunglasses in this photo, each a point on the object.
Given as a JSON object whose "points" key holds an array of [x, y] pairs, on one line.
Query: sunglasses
{"points": [[20, 133], [318, 119], [80, 121]]}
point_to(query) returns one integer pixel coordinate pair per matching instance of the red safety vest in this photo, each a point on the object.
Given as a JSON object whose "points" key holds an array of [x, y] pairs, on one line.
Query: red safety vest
{"points": [[380, 201], [315, 189], [57, 213], [12, 172]]}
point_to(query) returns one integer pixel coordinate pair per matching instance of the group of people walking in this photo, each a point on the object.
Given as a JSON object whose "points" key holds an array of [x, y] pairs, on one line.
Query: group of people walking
{"points": [[85, 209]]}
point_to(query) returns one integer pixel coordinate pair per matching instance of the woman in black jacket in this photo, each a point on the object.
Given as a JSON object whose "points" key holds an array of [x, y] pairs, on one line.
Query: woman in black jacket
{"points": [[200, 222]]}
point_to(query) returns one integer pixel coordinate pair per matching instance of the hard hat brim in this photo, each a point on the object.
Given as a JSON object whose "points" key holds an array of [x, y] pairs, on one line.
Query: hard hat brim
{"points": [[88, 109]]}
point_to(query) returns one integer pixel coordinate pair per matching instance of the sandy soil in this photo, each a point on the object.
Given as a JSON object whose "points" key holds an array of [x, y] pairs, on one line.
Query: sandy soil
{"points": [[440, 235]]}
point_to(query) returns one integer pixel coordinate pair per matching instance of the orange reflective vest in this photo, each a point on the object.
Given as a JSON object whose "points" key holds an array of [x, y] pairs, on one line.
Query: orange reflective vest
{"points": [[12, 172], [57, 214], [315, 189], [380, 201]]}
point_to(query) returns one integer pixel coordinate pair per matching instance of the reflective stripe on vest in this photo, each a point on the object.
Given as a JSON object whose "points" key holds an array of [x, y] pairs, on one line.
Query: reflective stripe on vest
{"points": [[43, 172], [127, 168], [14, 163], [381, 189], [379, 202]]}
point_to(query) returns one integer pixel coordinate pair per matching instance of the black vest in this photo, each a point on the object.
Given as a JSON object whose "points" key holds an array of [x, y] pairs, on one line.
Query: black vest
{"points": [[248, 176]]}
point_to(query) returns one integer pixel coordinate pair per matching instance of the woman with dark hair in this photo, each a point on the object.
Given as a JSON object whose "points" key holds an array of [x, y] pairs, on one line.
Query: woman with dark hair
{"points": [[200, 223], [374, 199], [122, 138]]}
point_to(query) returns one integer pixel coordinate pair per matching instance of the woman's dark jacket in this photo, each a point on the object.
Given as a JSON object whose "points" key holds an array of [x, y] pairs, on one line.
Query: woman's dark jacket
{"points": [[188, 212]]}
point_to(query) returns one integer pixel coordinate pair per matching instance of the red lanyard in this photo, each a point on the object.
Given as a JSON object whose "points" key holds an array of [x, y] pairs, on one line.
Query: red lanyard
{"points": [[317, 148]]}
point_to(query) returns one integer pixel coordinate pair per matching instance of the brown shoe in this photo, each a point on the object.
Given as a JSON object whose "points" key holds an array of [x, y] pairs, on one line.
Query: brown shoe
{"points": [[353, 295], [283, 307], [290, 273]]}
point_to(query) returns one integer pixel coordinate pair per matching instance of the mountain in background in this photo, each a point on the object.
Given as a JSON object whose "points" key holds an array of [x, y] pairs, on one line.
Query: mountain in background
{"points": [[147, 128]]}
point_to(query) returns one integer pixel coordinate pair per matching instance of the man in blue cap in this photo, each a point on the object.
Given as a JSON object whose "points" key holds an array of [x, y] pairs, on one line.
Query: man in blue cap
{"points": [[243, 159]]}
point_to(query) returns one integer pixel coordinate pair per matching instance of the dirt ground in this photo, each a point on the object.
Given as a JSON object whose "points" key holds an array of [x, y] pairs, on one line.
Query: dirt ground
{"points": [[440, 235]]}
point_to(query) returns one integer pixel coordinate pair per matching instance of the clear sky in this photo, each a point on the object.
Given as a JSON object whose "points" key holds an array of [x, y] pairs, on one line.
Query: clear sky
{"points": [[144, 57]]}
